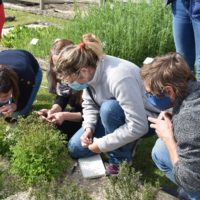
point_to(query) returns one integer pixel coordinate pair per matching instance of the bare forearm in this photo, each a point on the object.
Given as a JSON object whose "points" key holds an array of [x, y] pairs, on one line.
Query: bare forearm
{"points": [[55, 108], [73, 116]]}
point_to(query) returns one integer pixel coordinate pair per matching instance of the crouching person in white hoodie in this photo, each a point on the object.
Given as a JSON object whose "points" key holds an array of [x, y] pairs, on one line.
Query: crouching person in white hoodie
{"points": [[115, 109]]}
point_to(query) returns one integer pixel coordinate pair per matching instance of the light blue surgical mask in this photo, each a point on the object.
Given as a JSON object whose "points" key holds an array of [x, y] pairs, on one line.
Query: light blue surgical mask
{"points": [[161, 102], [78, 86]]}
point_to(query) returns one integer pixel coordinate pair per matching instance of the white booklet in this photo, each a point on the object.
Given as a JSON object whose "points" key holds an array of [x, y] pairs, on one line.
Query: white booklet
{"points": [[92, 167]]}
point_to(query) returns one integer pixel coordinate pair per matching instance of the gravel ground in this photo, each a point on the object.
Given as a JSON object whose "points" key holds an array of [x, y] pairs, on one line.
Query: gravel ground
{"points": [[65, 10]]}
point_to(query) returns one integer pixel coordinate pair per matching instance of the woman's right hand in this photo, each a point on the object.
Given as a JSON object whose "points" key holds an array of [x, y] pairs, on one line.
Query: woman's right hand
{"points": [[46, 112], [86, 138]]}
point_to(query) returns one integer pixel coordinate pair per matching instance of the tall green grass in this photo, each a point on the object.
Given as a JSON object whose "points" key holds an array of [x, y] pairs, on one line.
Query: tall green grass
{"points": [[129, 30]]}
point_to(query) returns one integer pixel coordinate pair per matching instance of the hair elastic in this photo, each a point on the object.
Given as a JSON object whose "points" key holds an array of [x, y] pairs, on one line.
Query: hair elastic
{"points": [[82, 44]]}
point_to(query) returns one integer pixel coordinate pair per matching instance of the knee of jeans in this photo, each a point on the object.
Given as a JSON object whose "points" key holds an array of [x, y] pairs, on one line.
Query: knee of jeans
{"points": [[155, 153], [109, 109], [159, 156], [73, 149]]}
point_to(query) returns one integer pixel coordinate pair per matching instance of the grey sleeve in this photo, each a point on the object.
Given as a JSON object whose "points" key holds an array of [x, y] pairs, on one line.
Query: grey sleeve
{"points": [[185, 177], [90, 112]]}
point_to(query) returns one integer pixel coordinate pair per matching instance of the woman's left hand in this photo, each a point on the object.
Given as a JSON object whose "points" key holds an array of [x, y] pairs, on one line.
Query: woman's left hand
{"points": [[94, 147], [163, 126]]}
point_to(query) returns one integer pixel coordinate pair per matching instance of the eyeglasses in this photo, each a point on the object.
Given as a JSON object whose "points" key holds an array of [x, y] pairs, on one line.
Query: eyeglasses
{"points": [[150, 94], [77, 76], [70, 78]]}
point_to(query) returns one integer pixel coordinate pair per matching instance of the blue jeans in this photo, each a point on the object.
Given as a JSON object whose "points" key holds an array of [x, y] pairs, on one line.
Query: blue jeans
{"points": [[186, 31], [162, 160], [27, 108], [111, 117]]}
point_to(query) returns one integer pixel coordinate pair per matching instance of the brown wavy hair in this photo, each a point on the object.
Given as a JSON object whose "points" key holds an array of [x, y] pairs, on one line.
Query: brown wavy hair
{"points": [[167, 70], [9, 80], [56, 48]]}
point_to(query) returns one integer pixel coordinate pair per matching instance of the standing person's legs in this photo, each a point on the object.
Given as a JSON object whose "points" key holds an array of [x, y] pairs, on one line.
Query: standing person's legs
{"points": [[195, 15], [2, 18], [183, 31]]}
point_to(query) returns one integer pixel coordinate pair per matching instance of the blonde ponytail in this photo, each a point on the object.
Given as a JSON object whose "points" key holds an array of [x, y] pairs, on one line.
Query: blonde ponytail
{"points": [[86, 54], [92, 42]]}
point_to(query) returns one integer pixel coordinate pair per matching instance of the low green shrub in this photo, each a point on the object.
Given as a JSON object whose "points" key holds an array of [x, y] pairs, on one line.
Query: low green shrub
{"points": [[66, 190], [40, 152], [7, 137], [21, 36], [4, 146], [128, 185]]}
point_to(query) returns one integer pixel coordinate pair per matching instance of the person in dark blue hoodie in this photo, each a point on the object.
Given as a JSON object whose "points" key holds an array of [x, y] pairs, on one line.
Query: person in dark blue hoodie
{"points": [[20, 79], [186, 30]]}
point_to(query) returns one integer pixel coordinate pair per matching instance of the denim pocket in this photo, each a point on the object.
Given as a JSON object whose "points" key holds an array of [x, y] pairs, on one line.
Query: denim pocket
{"points": [[196, 9]]}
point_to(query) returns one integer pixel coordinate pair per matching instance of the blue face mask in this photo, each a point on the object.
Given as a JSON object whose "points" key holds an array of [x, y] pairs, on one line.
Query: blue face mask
{"points": [[162, 102], [77, 86], [5, 102]]}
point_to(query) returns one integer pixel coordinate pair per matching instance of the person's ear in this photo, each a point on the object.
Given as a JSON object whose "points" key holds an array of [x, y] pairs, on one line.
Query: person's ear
{"points": [[169, 91], [55, 59]]}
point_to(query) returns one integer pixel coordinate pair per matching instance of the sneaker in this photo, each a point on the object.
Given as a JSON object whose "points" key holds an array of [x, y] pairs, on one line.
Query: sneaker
{"points": [[112, 169]]}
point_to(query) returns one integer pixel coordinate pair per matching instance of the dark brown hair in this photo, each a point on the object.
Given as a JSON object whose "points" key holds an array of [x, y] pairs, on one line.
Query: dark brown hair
{"points": [[56, 48], [168, 70], [8, 81]]}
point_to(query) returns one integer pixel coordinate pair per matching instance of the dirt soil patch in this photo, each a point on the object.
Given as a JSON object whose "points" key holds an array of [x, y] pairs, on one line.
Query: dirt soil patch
{"points": [[61, 10]]}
